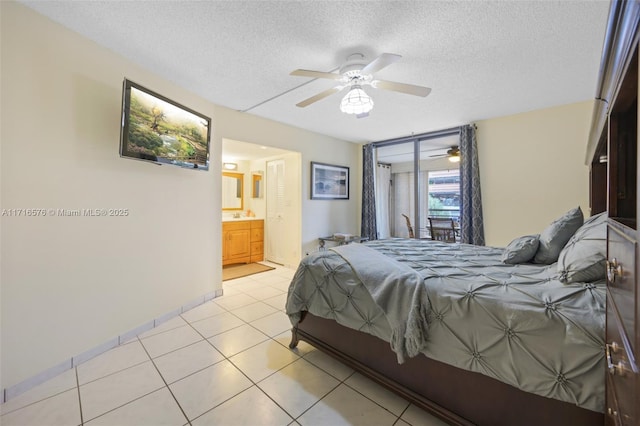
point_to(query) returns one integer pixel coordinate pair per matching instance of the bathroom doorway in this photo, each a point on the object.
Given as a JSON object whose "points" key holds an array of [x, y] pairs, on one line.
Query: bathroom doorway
{"points": [[280, 201]]}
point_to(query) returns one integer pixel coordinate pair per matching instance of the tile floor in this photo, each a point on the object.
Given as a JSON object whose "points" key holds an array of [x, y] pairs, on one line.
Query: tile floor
{"points": [[225, 362]]}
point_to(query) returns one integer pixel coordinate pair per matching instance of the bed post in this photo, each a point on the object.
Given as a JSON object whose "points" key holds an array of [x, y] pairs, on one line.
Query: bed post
{"points": [[294, 338]]}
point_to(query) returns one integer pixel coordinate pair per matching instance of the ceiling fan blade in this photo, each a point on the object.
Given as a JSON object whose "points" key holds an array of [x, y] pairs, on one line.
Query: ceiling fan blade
{"points": [[317, 74], [380, 62], [439, 155], [319, 96], [409, 89]]}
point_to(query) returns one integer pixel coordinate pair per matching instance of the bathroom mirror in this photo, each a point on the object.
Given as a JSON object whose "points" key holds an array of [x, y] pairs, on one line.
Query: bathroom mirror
{"points": [[256, 184], [232, 191]]}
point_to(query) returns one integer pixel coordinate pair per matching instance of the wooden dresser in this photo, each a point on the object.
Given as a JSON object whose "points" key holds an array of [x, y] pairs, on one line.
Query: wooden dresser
{"points": [[613, 152], [242, 241]]}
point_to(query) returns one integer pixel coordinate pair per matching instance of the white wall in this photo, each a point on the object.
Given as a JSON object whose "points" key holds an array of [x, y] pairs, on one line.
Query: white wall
{"points": [[532, 169], [70, 284]]}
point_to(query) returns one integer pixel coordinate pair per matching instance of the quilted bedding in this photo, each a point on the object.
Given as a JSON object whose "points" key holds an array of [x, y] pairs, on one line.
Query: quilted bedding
{"points": [[515, 323]]}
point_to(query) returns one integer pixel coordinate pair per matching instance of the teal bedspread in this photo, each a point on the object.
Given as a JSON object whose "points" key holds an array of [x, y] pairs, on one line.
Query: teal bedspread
{"points": [[515, 323]]}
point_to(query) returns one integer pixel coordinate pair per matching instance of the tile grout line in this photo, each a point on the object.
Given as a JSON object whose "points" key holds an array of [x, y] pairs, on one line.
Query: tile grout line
{"points": [[402, 414], [225, 359], [340, 382], [36, 401], [274, 401], [110, 374], [79, 396], [375, 402], [128, 402], [244, 374], [165, 382]]}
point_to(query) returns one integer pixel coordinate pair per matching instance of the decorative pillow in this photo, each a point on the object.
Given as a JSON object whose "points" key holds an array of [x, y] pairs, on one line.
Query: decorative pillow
{"points": [[556, 235], [521, 249], [583, 259]]}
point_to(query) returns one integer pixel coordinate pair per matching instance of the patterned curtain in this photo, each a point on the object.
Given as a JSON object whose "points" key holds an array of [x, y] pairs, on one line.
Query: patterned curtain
{"points": [[471, 223], [368, 193]]}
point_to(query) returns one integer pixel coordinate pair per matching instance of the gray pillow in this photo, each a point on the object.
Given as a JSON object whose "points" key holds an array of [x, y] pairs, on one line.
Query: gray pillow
{"points": [[556, 235], [521, 249], [583, 259]]}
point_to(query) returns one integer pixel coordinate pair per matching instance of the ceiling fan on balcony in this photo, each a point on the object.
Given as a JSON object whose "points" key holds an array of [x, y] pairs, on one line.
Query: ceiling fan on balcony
{"points": [[453, 153], [355, 74]]}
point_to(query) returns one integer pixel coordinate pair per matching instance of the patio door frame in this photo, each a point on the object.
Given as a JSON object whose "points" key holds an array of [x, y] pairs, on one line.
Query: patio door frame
{"points": [[416, 140]]}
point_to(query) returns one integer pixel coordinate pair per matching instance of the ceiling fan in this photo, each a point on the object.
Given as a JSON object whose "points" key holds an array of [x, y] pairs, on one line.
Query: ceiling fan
{"points": [[453, 153], [354, 74]]}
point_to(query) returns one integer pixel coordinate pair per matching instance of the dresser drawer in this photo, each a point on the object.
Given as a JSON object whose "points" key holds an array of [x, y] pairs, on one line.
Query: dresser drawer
{"points": [[257, 224], [622, 374], [257, 234], [621, 277], [234, 226], [257, 248], [611, 412]]}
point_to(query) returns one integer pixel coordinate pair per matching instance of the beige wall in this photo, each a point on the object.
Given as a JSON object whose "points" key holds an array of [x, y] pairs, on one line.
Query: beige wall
{"points": [[532, 169], [68, 284]]}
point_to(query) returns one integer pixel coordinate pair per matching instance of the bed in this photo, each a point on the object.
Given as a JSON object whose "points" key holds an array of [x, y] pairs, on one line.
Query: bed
{"points": [[459, 332]]}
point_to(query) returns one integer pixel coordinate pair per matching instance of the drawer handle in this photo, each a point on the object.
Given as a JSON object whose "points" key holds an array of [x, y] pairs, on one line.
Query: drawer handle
{"points": [[614, 269], [614, 369]]}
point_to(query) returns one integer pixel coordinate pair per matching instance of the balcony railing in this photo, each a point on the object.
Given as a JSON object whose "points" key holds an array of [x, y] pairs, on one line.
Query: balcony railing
{"points": [[452, 213]]}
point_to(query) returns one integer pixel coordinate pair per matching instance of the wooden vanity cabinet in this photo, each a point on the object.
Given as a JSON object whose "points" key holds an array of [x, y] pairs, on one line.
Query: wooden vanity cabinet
{"points": [[242, 241]]}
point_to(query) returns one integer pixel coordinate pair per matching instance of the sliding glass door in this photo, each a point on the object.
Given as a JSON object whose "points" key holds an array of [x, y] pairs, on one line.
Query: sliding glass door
{"points": [[415, 180]]}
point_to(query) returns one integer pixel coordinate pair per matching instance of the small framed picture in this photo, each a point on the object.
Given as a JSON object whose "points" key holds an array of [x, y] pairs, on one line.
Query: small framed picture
{"points": [[329, 182]]}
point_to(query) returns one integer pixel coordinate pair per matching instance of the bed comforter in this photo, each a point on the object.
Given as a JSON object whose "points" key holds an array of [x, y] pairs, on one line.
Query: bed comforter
{"points": [[515, 323]]}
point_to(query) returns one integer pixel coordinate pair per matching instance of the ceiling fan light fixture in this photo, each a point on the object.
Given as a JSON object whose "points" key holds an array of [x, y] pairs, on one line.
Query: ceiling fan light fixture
{"points": [[356, 101], [454, 158]]}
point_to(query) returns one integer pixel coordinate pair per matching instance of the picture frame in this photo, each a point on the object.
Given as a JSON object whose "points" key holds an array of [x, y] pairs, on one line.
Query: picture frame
{"points": [[329, 182]]}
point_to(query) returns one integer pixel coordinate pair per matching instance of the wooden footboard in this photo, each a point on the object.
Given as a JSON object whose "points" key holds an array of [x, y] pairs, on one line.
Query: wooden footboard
{"points": [[457, 396]]}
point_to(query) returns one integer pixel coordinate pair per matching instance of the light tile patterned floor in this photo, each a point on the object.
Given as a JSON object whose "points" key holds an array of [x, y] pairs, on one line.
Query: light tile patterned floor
{"points": [[226, 362]]}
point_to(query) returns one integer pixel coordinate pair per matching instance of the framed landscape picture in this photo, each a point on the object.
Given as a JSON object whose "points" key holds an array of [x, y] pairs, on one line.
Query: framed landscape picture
{"points": [[329, 182], [157, 129]]}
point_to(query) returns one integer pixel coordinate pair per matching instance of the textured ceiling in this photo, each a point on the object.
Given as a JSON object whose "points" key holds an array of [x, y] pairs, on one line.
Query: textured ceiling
{"points": [[482, 59]]}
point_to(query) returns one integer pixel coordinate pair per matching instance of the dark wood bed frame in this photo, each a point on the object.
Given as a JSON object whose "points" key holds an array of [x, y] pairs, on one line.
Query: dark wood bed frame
{"points": [[457, 396]]}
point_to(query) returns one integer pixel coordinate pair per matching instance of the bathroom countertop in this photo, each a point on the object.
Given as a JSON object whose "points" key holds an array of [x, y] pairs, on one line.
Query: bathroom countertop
{"points": [[236, 219]]}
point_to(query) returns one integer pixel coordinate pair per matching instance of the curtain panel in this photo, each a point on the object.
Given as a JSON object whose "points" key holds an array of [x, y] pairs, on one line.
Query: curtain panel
{"points": [[368, 226], [471, 221]]}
